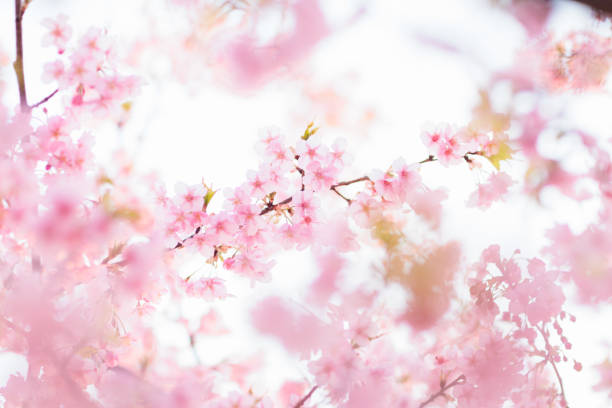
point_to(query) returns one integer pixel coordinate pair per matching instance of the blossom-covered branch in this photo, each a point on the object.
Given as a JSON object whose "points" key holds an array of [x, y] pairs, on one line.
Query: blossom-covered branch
{"points": [[550, 358]]}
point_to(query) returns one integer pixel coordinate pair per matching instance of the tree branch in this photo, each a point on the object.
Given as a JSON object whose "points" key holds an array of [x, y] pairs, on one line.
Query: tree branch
{"points": [[346, 183], [45, 99], [429, 159], [274, 206], [457, 381], [334, 188], [598, 5], [18, 64], [180, 243], [301, 402]]}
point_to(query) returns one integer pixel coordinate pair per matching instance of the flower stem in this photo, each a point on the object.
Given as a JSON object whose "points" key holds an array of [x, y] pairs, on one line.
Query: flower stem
{"points": [[45, 99], [301, 402], [456, 381]]}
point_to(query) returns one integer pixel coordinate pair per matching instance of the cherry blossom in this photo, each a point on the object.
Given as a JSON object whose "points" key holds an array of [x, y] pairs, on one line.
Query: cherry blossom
{"points": [[59, 32], [208, 289], [490, 191]]}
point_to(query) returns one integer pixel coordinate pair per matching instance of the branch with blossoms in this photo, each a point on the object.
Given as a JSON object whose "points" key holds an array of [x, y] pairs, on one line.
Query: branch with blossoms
{"points": [[334, 187], [534, 299], [550, 359], [270, 206]]}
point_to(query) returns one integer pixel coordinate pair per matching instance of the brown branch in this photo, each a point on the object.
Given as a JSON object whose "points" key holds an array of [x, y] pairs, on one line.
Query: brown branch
{"points": [[272, 207], [429, 159], [302, 173], [346, 183], [334, 188], [457, 381], [45, 99], [18, 63], [467, 157], [554, 366], [301, 402], [598, 5], [180, 243]]}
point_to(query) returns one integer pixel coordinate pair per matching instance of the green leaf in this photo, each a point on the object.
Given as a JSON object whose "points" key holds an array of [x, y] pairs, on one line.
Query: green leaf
{"points": [[310, 130], [504, 153]]}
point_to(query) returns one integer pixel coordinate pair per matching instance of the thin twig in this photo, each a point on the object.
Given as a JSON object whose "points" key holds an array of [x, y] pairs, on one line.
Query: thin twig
{"points": [[301, 402], [180, 243], [333, 188], [272, 207], [302, 173], [457, 381], [346, 183], [45, 99], [429, 159]]}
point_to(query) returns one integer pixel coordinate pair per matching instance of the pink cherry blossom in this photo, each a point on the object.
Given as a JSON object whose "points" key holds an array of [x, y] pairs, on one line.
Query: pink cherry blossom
{"points": [[222, 227], [318, 177], [207, 289], [258, 184], [494, 189], [590, 60], [190, 198], [250, 266], [251, 63], [59, 32], [605, 372], [445, 144], [311, 150], [365, 210], [299, 330], [55, 71]]}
